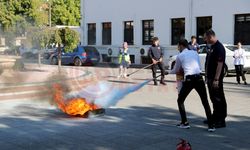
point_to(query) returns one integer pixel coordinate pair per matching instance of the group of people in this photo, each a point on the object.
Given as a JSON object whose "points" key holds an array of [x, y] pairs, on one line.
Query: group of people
{"points": [[188, 74]]}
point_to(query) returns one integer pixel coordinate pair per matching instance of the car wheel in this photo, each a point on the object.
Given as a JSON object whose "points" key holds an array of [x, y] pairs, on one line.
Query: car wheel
{"points": [[54, 61], [77, 62]]}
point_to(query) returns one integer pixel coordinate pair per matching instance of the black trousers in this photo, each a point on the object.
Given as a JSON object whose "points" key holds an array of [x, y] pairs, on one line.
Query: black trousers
{"points": [[240, 72], [161, 67], [218, 99], [194, 82]]}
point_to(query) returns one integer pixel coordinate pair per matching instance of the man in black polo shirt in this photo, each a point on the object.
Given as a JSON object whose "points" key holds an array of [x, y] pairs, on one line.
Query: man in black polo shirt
{"points": [[156, 53], [215, 74]]}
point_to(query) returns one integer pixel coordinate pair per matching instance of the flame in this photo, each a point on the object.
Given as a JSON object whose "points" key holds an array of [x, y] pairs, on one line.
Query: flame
{"points": [[73, 106]]}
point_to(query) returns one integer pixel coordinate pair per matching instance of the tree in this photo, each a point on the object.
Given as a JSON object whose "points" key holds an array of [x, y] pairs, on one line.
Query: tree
{"points": [[16, 16], [66, 12], [69, 38]]}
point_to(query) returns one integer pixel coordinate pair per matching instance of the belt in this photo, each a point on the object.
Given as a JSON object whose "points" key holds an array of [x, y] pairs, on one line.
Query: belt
{"points": [[194, 76]]}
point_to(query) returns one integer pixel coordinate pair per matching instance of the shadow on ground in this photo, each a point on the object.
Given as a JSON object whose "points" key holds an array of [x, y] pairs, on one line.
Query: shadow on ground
{"points": [[142, 128]]}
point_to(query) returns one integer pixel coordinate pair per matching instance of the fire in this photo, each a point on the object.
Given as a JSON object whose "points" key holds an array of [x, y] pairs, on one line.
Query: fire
{"points": [[73, 106]]}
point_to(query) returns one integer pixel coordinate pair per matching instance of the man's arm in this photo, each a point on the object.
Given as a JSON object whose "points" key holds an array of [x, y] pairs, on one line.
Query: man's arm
{"points": [[150, 53], [177, 66], [198, 48], [218, 71], [217, 75], [162, 54], [151, 56]]}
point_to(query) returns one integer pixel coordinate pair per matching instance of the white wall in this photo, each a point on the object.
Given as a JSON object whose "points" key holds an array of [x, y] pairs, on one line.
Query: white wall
{"points": [[162, 11], [223, 14]]}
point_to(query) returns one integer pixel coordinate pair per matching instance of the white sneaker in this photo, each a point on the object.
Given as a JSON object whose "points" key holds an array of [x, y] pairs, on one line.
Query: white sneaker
{"points": [[211, 129], [125, 76], [183, 125]]}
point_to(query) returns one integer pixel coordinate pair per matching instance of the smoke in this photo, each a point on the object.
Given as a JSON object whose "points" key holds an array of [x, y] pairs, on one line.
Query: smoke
{"points": [[56, 77], [105, 94]]}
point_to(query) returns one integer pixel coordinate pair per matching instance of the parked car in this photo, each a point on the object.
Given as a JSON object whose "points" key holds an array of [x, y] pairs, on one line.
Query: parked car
{"points": [[79, 56], [229, 59], [3, 48], [30, 53], [93, 55], [49, 52]]}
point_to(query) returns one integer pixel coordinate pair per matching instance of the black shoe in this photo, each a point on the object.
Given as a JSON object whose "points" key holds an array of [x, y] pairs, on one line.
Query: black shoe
{"points": [[245, 83], [155, 83], [163, 83], [183, 125], [205, 121], [220, 124]]}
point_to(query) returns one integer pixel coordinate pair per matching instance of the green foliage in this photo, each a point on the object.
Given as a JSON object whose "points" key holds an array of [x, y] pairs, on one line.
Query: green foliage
{"points": [[42, 37], [69, 38], [16, 14], [24, 12], [66, 12], [18, 17]]}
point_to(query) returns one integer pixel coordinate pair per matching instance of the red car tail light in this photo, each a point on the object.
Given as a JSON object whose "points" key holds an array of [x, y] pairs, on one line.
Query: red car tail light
{"points": [[84, 54]]}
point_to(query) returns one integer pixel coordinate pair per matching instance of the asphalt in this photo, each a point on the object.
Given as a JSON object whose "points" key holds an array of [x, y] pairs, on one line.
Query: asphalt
{"points": [[143, 120]]}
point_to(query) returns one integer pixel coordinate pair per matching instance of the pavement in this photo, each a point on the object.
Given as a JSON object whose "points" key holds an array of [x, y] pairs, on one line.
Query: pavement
{"points": [[143, 120]]}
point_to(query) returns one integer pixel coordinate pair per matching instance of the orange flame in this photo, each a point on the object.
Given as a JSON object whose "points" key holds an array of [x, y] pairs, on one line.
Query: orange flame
{"points": [[74, 106]]}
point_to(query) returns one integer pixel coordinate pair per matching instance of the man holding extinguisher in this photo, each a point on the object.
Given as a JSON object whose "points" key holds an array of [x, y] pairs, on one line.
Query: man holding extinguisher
{"points": [[156, 53]]}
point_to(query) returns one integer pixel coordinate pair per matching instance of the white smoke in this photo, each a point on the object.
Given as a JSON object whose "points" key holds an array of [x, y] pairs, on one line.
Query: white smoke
{"points": [[105, 94]]}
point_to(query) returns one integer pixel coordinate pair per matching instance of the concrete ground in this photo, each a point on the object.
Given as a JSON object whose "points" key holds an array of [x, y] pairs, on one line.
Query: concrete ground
{"points": [[143, 120]]}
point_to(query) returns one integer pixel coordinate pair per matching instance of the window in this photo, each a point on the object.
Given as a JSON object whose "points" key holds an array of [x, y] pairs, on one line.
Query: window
{"points": [[91, 34], [129, 32], [106, 33], [242, 29], [178, 30], [132, 58], [147, 31], [203, 24]]}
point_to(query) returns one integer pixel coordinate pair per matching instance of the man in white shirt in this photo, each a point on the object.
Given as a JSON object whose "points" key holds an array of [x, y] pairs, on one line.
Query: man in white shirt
{"points": [[189, 62], [239, 57]]}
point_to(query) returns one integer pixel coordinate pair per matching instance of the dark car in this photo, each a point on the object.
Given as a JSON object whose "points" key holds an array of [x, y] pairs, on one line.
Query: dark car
{"points": [[79, 56], [93, 56], [49, 52]]}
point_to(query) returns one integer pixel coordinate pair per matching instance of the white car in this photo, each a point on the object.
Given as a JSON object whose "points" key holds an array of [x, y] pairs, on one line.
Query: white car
{"points": [[229, 58], [3, 48]]}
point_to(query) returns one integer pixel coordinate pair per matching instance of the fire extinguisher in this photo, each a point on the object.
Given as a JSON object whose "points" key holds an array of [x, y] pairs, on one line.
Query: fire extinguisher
{"points": [[183, 145]]}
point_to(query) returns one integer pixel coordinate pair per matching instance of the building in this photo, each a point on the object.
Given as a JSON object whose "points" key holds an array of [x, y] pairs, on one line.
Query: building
{"points": [[106, 24]]}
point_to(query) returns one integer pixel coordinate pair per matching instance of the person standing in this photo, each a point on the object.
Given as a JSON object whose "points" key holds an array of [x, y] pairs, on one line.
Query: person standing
{"points": [[189, 62], [123, 60], [215, 75], [193, 45], [156, 53], [239, 57], [21, 50]]}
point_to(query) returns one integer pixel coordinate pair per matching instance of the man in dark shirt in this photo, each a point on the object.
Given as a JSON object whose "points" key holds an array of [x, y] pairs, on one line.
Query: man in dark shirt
{"points": [[156, 53], [215, 75], [193, 45]]}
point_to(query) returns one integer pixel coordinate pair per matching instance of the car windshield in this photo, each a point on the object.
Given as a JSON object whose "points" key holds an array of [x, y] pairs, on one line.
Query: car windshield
{"points": [[89, 49], [232, 47], [247, 48]]}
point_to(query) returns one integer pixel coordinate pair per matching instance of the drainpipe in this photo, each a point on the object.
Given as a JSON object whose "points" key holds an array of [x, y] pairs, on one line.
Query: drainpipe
{"points": [[191, 17], [83, 22]]}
